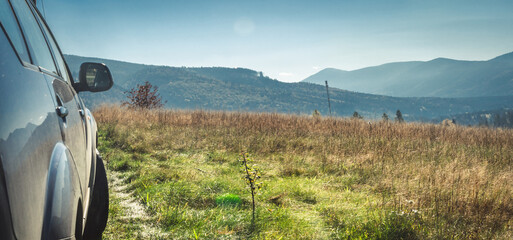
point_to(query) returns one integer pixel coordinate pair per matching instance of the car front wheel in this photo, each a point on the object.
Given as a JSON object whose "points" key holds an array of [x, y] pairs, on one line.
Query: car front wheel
{"points": [[99, 208]]}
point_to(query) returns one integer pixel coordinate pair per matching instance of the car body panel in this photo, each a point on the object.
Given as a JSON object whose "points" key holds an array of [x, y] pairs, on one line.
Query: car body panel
{"points": [[47, 160], [72, 127], [27, 139], [62, 195], [6, 229]]}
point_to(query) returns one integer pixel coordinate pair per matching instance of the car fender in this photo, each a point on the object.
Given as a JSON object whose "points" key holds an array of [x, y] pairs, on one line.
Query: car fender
{"points": [[92, 141], [63, 196], [93, 129]]}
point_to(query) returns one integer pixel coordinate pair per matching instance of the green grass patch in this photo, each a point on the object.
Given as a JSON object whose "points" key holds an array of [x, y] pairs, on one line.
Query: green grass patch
{"points": [[229, 200]]}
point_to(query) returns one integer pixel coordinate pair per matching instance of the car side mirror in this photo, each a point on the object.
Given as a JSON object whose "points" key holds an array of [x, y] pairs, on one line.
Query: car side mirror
{"points": [[93, 77]]}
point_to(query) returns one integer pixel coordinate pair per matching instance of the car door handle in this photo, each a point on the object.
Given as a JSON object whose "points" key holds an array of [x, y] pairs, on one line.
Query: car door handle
{"points": [[62, 111]]}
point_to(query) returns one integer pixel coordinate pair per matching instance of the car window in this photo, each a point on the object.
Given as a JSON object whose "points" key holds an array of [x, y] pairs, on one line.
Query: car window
{"points": [[38, 48], [12, 30], [61, 65]]}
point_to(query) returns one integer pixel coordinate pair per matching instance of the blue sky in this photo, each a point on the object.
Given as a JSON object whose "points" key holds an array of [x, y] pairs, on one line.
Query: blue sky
{"points": [[287, 40]]}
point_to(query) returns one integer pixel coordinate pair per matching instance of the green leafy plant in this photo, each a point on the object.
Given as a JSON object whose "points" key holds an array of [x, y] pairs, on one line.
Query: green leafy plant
{"points": [[251, 175]]}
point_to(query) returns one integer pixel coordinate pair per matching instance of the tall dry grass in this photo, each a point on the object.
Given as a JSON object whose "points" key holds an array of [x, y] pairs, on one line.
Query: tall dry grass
{"points": [[459, 179]]}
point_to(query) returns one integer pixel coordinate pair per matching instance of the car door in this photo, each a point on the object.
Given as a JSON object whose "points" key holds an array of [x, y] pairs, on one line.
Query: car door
{"points": [[47, 57], [72, 116], [29, 125]]}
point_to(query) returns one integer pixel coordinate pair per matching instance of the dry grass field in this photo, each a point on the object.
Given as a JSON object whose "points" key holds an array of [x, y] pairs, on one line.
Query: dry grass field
{"points": [[323, 178]]}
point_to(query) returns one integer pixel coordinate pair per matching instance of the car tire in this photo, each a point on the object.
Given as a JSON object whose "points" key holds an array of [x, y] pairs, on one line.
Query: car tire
{"points": [[78, 224], [99, 208]]}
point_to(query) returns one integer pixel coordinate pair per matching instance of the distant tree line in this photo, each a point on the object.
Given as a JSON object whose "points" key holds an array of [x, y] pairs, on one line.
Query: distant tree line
{"points": [[503, 119]]}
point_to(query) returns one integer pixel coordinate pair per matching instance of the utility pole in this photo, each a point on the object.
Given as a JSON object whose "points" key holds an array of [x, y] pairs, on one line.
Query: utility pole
{"points": [[328, 93]]}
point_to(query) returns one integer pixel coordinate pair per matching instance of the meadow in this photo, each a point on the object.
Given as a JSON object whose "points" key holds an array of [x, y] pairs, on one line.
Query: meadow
{"points": [[322, 177]]}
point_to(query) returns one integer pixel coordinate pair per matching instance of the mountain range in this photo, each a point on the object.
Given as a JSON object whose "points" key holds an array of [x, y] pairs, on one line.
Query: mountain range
{"points": [[218, 88], [439, 77]]}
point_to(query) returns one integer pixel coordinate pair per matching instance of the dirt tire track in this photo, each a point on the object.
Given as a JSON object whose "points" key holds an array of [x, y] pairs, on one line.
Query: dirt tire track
{"points": [[133, 210]]}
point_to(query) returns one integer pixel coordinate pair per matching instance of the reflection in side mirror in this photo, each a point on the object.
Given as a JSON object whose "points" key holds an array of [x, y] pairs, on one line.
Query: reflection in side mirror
{"points": [[94, 77]]}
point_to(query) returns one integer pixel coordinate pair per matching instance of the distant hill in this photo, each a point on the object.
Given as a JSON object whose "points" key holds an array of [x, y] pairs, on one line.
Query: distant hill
{"points": [[440, 77], [217, 88]]}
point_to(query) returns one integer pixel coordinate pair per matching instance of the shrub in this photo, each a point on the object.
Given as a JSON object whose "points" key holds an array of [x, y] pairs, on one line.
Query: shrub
{"points": [[144, 97]]}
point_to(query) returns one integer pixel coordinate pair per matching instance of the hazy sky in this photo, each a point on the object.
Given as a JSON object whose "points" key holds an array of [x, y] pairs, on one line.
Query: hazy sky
{"points": [[287, 40]]}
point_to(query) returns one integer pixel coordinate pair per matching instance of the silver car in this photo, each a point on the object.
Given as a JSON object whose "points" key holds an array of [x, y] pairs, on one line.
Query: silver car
{"points": [[52, 179]]}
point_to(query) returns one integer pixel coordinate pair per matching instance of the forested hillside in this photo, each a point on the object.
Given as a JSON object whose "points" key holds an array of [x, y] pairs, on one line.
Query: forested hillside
{"points": [[217, 88]]}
